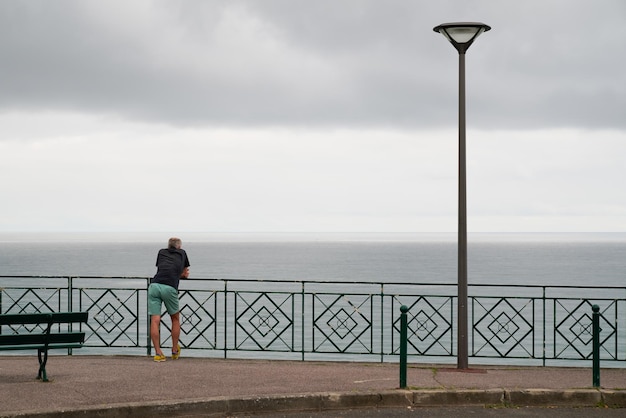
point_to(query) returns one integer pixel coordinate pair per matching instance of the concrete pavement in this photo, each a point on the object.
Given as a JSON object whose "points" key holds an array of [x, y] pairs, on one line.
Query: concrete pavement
{"points": [[124, 386]]}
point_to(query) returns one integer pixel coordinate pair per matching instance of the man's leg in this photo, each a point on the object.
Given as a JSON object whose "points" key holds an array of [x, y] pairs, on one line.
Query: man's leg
{"points": [[155, 325], [175, 330]]}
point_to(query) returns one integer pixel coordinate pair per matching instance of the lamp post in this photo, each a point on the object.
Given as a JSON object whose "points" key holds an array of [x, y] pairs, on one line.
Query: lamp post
{"points": [[462, 35]]}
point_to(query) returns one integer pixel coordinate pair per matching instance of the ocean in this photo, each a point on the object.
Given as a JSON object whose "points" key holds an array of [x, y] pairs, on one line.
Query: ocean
{"points": [[531, 259]]}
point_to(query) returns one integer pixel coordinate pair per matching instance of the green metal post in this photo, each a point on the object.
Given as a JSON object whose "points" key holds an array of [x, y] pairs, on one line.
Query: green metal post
{"points": [[403, 345], [595, 325]]}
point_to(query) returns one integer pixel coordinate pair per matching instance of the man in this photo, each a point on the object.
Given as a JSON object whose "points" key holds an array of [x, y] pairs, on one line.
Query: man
{"points": [[172, 265]]}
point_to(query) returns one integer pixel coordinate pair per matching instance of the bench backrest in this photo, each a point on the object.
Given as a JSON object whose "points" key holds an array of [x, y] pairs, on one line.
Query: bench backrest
{"points": [[43, 318], [41, 339], [45, 336]]}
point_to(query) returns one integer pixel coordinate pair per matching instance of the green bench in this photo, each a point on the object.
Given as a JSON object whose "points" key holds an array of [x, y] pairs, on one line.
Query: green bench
{"points": [[40, 335]]}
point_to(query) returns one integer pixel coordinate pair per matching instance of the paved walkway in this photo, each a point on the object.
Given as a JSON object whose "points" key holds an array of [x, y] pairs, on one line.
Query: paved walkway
{"points": [[114, 386]]}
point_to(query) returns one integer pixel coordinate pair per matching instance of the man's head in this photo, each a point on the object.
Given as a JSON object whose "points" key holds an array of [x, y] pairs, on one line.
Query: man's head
{"points": [[175, 243]]}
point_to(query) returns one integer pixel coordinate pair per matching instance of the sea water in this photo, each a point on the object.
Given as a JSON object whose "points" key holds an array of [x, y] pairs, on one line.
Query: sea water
{"points": [[527, 259]]}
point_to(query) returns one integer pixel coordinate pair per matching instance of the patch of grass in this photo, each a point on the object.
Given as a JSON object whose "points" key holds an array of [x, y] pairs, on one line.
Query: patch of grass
{"points": [[502, 405]]}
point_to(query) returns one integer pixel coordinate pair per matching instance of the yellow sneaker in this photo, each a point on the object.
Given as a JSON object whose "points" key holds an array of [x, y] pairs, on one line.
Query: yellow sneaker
{"points": [[159, 357], [177, 353]]}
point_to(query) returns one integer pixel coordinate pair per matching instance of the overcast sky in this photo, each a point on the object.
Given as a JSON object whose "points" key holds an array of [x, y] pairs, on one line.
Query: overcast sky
{"points": [[301, 116]]}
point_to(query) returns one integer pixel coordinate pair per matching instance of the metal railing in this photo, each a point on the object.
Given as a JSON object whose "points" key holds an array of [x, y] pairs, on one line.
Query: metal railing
{"points": [[330, 320]]}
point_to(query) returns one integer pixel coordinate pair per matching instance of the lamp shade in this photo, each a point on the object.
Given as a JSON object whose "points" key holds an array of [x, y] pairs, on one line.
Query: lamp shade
{"points": [[462, 34]]}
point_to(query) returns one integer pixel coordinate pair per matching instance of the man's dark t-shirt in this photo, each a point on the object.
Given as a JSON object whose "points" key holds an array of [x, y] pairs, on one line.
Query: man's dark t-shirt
{"points": [[170, 265]]}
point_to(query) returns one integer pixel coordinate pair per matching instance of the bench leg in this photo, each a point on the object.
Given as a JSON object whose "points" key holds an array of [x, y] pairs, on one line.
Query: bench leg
{"points": [[42, 354]]}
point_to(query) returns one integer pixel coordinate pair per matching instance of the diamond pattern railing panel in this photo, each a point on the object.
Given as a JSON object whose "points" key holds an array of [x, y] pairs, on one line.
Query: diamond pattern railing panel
{"points": [[573, 333], [198, 320], [264, 321], [503, 327], [113, 317], [342, 324], [33, 300], [429, 325]]}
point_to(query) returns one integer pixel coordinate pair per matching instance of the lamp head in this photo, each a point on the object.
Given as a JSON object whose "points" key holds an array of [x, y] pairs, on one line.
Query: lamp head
{"points": [[462, 34]]}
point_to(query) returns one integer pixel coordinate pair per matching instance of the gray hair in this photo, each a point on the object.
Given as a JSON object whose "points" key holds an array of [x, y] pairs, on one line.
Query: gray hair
{"points": [[174, 243]]}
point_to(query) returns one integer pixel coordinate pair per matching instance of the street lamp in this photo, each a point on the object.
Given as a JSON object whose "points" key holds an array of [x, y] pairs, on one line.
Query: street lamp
{"points": [[462, 35]]}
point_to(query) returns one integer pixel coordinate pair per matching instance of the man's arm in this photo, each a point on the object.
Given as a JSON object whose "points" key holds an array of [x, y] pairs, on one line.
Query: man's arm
{"points": [[185, 273]]}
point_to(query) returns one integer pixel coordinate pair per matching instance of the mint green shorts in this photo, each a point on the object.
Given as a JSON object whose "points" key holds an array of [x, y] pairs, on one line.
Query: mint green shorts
{"points": [[161, 293]]}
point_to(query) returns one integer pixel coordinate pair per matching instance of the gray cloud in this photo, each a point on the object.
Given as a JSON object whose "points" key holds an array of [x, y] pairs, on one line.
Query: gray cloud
{"points": [[324, 63]]}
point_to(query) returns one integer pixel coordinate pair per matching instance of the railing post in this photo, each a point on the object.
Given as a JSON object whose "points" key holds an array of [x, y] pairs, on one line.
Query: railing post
{"points": [[70, 307], [148, 322], [382, 328], [403, 345], [595, 329], [302, 322], [226, 319], [543, 316]]}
